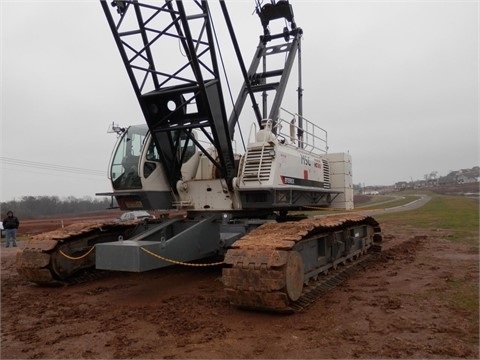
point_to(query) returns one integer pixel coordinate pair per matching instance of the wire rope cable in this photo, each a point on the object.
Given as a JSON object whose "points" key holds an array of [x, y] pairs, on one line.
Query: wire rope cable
{"points": [[227, 80]]}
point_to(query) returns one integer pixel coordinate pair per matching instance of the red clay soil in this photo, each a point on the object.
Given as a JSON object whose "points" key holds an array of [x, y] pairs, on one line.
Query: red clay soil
{"points": [[30, 227], [413, 303]]}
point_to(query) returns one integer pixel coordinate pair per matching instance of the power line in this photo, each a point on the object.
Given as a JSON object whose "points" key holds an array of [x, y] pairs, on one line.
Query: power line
{"points": [[51, 167]]}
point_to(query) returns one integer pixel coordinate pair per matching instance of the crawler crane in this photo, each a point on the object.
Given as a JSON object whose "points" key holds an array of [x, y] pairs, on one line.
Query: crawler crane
{"points": [[238, 206]]}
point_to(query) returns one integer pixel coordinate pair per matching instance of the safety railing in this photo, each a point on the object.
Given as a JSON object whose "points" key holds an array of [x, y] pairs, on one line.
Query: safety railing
{"points": [[308, 136]]}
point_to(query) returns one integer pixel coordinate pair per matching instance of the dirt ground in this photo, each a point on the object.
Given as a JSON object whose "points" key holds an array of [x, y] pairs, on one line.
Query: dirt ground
{"points": [[409, 304]]}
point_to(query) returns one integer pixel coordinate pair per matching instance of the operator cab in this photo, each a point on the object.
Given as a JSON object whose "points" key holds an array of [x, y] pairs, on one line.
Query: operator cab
{"points": [[138, 179], [125, 162]]}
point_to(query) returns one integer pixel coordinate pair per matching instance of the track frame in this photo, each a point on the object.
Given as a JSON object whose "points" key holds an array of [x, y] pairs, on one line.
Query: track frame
{"points": [[276, 265]]}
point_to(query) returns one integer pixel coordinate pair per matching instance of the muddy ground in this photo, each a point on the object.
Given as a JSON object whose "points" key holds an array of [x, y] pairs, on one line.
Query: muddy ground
{"points": [[415, 302]]}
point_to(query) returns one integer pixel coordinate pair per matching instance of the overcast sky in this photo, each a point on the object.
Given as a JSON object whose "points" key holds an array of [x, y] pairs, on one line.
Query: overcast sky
{"points": [[395, 83]]}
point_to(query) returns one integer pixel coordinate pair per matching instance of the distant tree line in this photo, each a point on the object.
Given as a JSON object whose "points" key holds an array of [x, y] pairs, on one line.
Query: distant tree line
{"points": [[44, 206]]}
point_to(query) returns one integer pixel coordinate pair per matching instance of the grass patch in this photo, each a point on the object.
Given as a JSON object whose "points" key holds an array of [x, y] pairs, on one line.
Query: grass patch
{"points": [[456, 213], [463, 297]]}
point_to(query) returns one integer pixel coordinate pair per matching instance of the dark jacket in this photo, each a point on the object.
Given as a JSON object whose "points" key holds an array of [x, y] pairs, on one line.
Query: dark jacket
{"points": [[11, 222]]}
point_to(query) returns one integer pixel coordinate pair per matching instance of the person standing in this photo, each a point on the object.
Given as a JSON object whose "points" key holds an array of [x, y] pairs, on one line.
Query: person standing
{"points": [[10, 224]]}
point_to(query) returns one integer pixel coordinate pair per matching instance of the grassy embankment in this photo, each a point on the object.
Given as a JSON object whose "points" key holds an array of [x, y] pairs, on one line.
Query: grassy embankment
{"points": [[458, 214]]}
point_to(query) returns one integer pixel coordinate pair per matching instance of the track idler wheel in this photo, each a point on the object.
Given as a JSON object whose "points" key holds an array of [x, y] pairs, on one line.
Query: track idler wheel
{"points": [[294, 276], [267, 280]]}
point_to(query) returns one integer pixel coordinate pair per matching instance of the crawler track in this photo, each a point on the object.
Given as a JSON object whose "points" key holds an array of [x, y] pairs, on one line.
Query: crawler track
{"points": [[316, 289], [63, 256], [272, 269]]}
